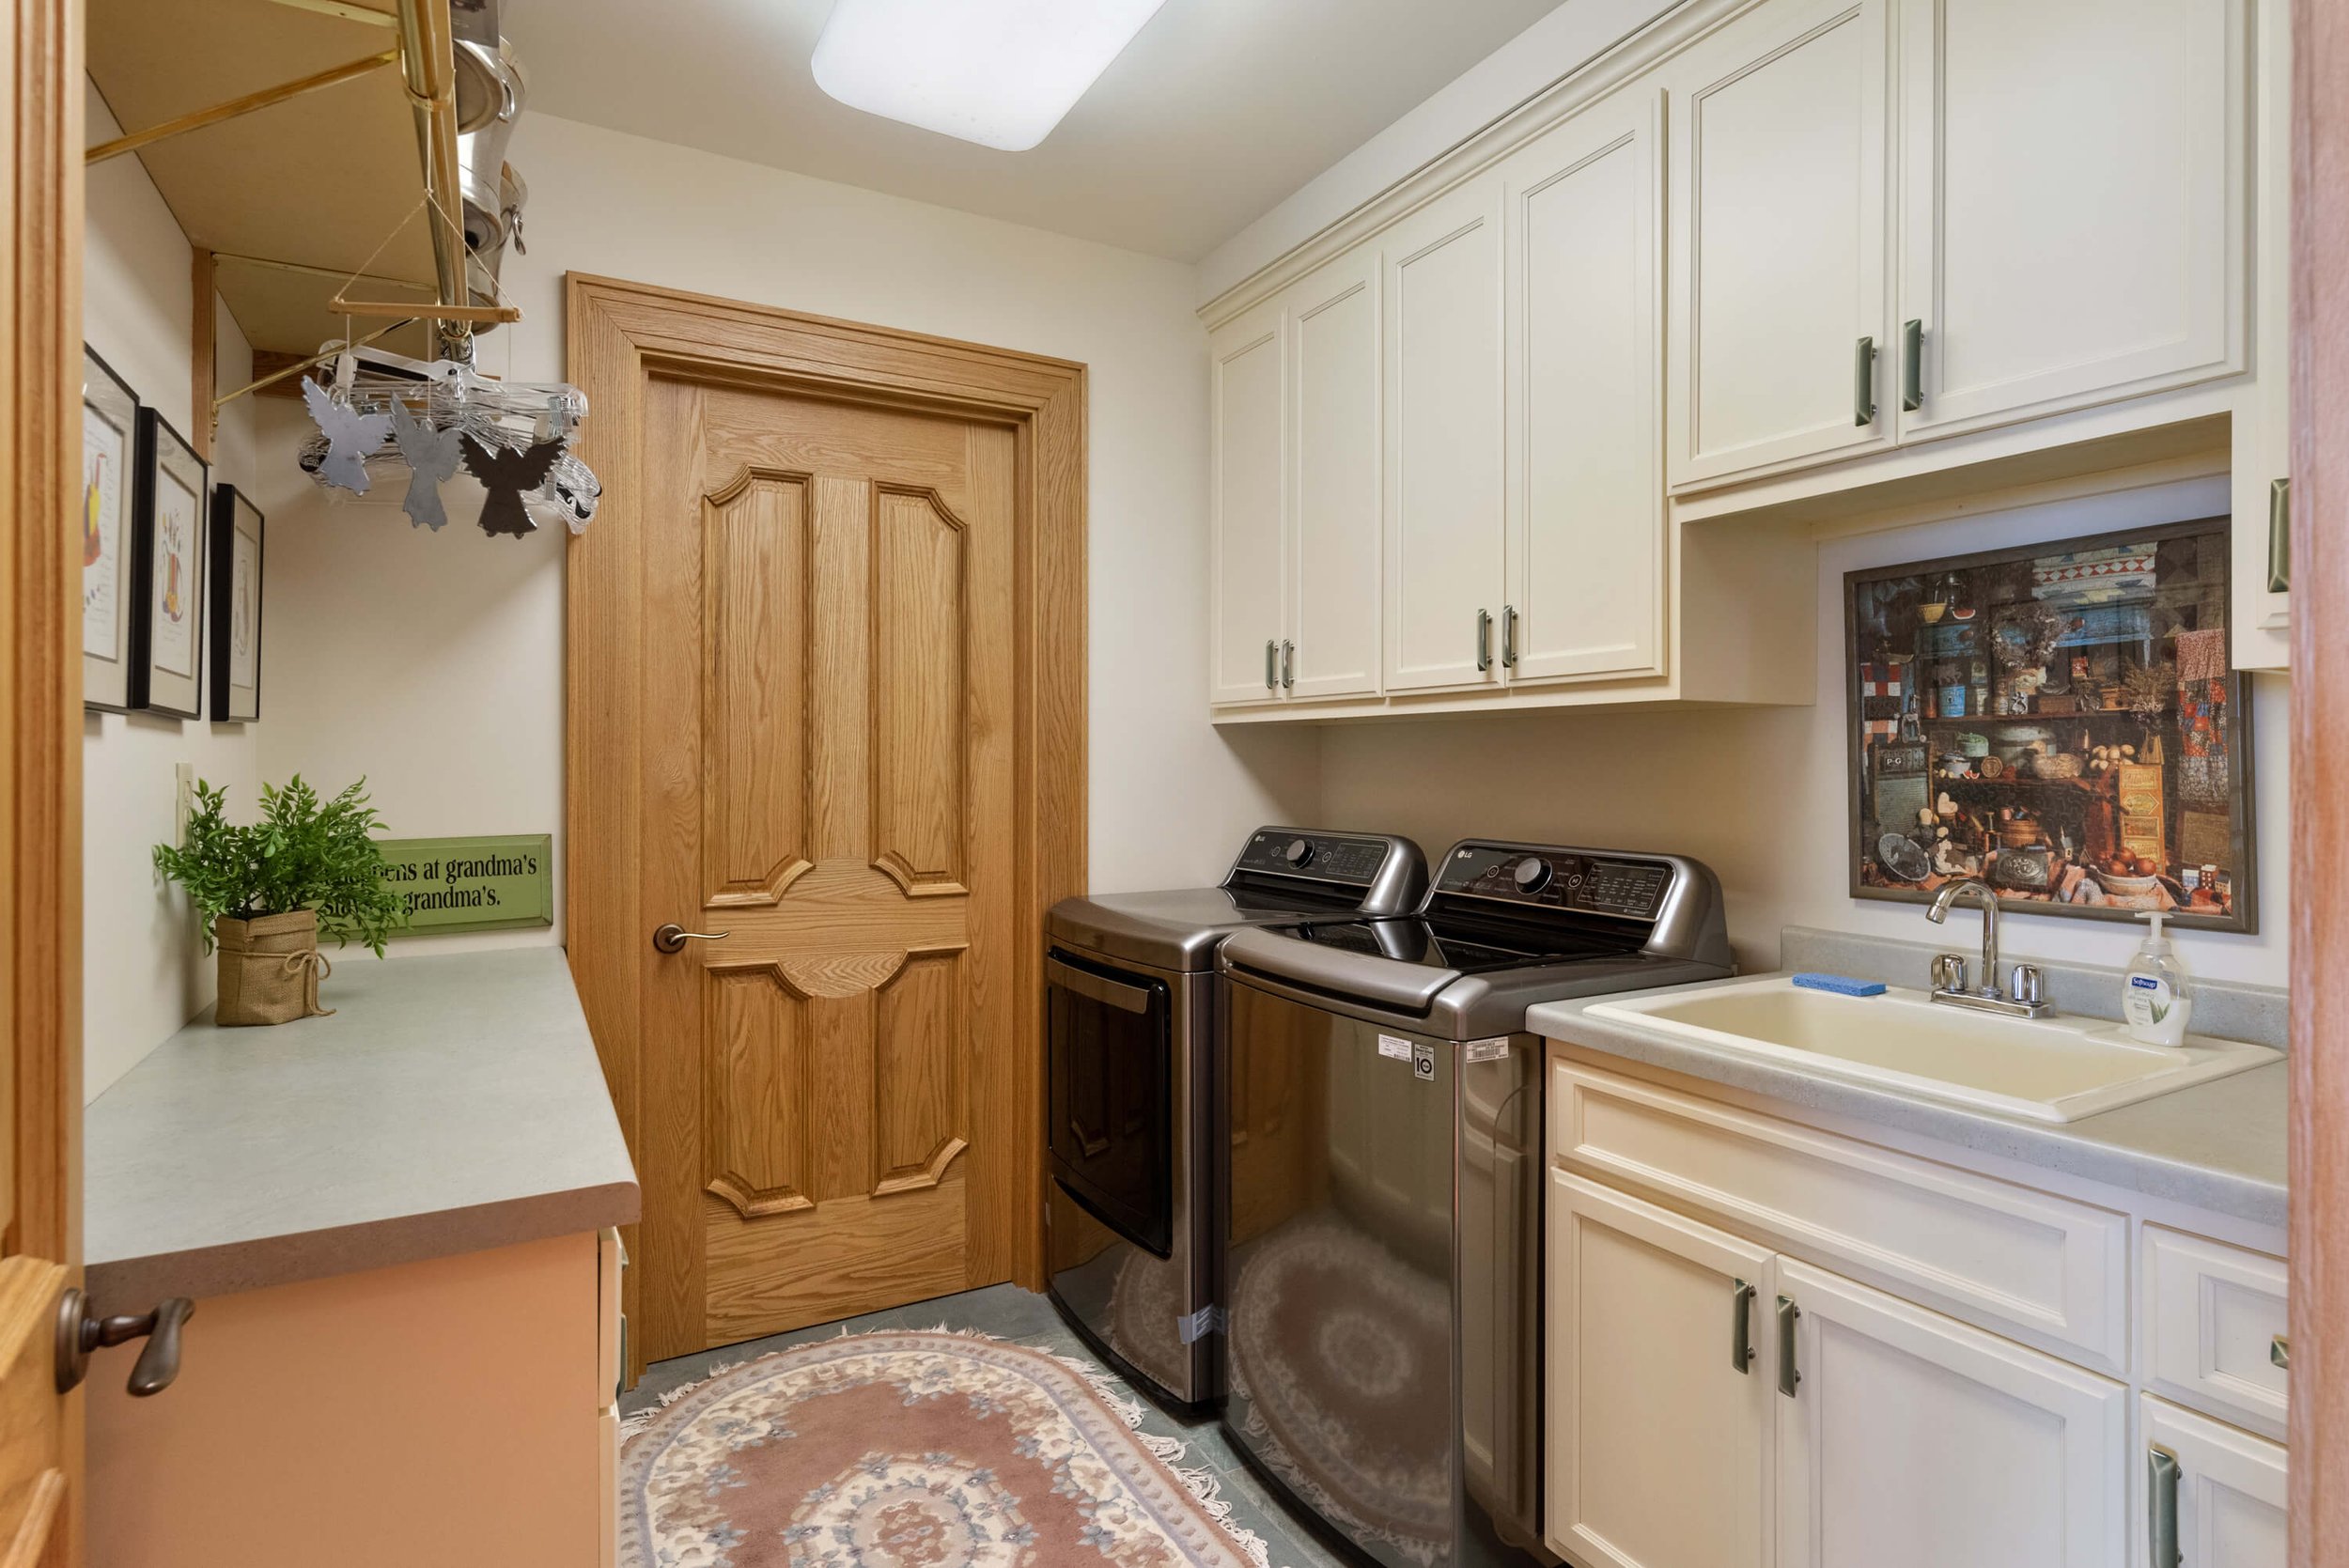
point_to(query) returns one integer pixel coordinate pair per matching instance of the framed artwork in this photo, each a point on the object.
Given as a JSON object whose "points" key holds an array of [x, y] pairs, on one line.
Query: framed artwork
{"points": [[236, 611], [110, 436], [168, 514], [2064, 722]]}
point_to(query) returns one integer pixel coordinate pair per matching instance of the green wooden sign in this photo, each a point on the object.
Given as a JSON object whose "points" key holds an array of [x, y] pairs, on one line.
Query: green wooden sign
{"points": [[472, 884]]}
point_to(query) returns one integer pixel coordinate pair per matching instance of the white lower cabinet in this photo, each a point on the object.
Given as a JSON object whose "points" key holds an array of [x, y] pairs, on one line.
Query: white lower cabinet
{"points": [[1910, 1438], [2215, 1495], [1660, 1373]]}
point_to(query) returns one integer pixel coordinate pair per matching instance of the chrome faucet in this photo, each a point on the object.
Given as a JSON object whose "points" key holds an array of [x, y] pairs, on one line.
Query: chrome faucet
{"points": [[1949, 968]]}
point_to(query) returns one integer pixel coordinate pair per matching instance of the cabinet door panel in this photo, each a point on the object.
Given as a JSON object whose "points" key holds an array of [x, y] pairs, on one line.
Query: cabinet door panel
{"points": [[1586, 485], [2230, 1490], [1245, 409], [2075, 194], [1779, 238], [1333, 378], [1443, 527], [1912, 1438], [1658, 1443]]}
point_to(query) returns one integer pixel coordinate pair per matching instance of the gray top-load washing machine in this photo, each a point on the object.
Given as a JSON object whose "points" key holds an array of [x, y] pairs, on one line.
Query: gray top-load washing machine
{"points": [[1382, 1191], [1133, 1077]]}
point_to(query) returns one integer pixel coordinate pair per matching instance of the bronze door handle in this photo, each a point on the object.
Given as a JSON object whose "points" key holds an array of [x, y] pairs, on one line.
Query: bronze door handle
{"points": [[79, 1330], [671, 938]]}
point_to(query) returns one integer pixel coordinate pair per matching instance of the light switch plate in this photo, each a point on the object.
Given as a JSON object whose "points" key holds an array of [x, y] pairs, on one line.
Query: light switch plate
{"points": [[184, 801]]}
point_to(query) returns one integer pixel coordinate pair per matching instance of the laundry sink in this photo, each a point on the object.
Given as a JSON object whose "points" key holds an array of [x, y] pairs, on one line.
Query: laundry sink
{"points": [[2049, 1069]]}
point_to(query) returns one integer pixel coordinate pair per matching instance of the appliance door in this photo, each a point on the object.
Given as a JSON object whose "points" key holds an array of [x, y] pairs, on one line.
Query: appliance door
{"points": [[1381, 1216], [1110, 1064]]}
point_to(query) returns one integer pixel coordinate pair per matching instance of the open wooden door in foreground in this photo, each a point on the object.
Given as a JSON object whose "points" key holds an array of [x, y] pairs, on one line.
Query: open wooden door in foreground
{"points": [[826, 771], [40, 784]]}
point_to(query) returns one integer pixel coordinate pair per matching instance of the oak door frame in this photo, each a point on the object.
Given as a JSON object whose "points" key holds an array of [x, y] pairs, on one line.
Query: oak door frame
{"points": [[616, 333], [2319, 1262]]}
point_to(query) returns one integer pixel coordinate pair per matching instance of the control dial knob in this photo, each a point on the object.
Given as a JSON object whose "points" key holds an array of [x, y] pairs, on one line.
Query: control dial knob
{"points": [[1531, 874], [1298, 852]]}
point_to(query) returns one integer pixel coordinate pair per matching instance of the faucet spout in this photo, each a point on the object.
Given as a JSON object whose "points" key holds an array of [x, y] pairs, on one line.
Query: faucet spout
{"points": [[1988, 995]]}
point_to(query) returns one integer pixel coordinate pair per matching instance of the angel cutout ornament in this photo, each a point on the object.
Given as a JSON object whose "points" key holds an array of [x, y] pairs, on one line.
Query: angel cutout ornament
{"points": [[432, 457], [508, 476], [350, 437]]}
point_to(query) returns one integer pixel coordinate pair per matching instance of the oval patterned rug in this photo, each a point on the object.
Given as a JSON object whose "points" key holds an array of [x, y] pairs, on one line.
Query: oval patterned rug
{"points": [[914, 1450]]}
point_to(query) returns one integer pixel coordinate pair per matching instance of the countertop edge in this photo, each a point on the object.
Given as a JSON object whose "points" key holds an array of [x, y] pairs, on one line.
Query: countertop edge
{"points": [[2151, 1175], [226, 1268]]}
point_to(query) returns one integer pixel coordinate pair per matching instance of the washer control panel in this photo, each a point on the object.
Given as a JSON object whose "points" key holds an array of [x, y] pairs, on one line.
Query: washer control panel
{"points": [[1619, 886], [1321, 856]]}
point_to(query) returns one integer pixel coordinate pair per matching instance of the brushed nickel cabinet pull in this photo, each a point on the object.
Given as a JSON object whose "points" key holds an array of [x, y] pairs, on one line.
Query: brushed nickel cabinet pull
{"points": [[2279, 1353], [1508, 636], [2162, 1500], [1483, 641], [1863, 392], [1913, 364], [1741, 1327], [1787, 1375], [1271, 664], [1288, 664], [2279, 536]]}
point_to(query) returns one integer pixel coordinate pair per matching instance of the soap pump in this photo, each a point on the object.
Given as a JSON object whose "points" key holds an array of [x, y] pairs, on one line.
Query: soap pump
{"points": [[2156, 1002]]}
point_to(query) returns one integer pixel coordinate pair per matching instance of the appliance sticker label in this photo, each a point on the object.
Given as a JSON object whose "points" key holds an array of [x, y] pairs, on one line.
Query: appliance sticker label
{"points": [[1484, 1050], [1423, 1064], [1399, 1050]]}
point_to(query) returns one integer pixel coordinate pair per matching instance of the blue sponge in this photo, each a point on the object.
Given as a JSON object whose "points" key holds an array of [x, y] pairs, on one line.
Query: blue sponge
{"points": [[1841, 984]]}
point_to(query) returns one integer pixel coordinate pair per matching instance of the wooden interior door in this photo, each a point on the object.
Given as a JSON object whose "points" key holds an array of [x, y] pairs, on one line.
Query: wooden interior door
{"points": [[40, 783]]}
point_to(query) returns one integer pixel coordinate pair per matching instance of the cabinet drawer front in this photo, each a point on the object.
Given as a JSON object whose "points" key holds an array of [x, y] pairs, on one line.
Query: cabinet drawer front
{"points": [[2044, 1269], [2213, 1314]]}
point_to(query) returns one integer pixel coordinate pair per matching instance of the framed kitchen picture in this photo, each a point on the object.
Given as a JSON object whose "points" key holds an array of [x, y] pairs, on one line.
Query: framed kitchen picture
{"points": [[110, 439], [169, 514], [2063, 722], [236, 611]]}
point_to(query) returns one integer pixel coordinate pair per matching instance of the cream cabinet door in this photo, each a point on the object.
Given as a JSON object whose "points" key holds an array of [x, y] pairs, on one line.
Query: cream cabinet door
{"points": [[1581, 222], [2217, 1493], [2074, 181], [1333, 331], [1661, 1377], [1249, 556], [1911, 1438], [1443, 526], [1779, 241]]}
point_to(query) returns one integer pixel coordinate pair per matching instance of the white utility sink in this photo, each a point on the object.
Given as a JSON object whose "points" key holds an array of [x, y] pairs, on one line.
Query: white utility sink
{"points": [[2051, 1069]]}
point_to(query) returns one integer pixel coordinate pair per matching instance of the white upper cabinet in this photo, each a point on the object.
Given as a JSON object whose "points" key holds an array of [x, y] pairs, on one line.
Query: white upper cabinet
{"points": [[1332, 323], [2072, 181], [1582, 220], [1779, 240], [1443, 372], [1911, 1438], [1247, 590]]}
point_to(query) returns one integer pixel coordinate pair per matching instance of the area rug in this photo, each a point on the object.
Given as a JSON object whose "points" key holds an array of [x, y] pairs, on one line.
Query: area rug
{"points": [[914, 1450]]}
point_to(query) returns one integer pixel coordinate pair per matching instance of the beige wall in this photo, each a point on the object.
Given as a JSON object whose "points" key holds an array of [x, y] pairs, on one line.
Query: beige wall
{"points": [[1760, 795], [434, 663], [145, 974]]}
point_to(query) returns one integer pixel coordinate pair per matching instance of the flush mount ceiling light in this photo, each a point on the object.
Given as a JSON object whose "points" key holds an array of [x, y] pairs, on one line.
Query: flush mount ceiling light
{"points": [[999, 72]]}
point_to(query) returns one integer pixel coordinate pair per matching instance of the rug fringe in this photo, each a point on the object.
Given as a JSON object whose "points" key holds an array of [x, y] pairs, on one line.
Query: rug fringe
{"points": [[1202, 1483]]}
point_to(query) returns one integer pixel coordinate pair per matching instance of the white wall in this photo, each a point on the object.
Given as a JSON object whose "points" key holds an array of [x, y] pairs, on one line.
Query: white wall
{"points": [[434, 663], [144, 970], [1760, 795]]}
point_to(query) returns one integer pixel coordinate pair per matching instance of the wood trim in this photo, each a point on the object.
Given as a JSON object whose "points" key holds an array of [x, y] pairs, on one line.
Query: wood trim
{"points": [[203, 355], [615, 331], [2319, 1262]]}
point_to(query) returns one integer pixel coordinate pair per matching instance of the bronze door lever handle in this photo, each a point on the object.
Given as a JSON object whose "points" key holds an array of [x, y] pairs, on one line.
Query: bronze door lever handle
{"points": [[79, 1330]]}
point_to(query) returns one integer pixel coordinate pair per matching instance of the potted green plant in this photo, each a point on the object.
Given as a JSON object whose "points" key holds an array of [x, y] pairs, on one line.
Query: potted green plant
{"points": [[268, 892]]}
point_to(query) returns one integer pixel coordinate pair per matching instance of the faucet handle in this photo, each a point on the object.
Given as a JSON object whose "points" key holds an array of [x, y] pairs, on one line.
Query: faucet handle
{"points": [[1948, 972], [2028, 989]]}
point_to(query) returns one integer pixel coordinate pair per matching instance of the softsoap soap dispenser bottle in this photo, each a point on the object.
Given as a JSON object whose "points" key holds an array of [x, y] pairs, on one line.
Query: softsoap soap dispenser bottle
{"points": [[2155, 1001]]}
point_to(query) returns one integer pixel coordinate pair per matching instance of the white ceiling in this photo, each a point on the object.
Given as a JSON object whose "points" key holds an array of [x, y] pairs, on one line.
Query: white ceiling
{"points": [[1215, 113]]}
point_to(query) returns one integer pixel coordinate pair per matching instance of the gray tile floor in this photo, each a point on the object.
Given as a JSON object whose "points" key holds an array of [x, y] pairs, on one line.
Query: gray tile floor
{"points": [[1009, 1312]]}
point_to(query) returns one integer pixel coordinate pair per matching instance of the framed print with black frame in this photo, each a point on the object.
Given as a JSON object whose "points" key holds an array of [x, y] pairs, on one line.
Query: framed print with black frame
{"points": [[236, 607], [110, 439], [169, 514], [2062, 721]]}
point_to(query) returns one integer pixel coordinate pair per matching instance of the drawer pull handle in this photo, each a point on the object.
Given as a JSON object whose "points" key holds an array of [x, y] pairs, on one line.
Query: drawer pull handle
{"points": [[1741, 1327], [2279, 536], [1863, 392], [1288, 664], [1913, 365], [2280, 1352], [1271, 664], [2163, 1524], [1787, 1375], [1509, 636], [1483, 641]]}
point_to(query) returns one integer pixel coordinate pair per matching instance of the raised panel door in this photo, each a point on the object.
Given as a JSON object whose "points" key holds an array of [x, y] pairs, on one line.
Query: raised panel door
{"points": [[1332, 329], [1909, 1437], [1658, 1418], [2225, 1501], [1779, 240], [2073, 179], [1443, 460], [1248, 558], [1585, 493]]}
